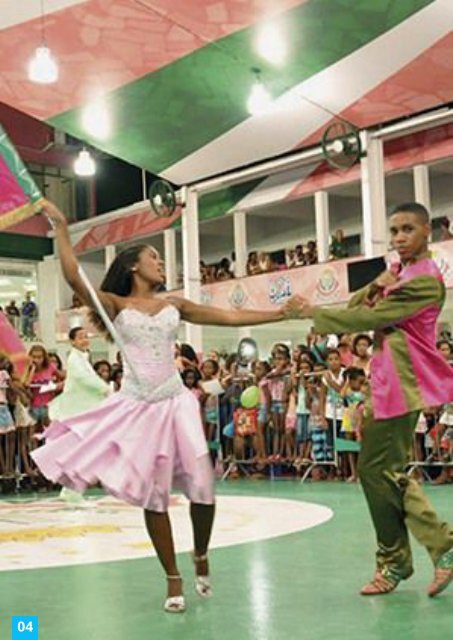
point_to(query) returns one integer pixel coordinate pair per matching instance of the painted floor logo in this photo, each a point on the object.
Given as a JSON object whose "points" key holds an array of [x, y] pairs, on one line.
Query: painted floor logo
{"points": [[110, 530]]}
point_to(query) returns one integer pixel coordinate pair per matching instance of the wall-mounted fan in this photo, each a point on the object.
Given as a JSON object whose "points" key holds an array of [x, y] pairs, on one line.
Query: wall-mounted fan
{"points": [[162, 198], [341, 145]]}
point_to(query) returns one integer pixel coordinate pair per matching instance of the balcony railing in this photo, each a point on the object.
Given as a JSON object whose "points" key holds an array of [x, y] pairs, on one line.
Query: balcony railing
{"points": [[321, 284]]}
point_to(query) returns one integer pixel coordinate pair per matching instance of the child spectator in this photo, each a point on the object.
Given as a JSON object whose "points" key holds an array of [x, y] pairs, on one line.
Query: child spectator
{"points": [[299, 257], [354, 400], [361, 346], [262, 369], [210, 371], [44, 381], [103, 369], [191, 379], [117, 378], [317, 424], [253, 267], [311, 255], [20, 400], [303, 437], [290, 425], [55, 359], [7, 426], [344, 347], [279, 384], [333, 380]]}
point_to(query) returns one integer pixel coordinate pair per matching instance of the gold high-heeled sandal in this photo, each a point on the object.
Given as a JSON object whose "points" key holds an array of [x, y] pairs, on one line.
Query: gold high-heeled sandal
{"points": [[175, 604]]}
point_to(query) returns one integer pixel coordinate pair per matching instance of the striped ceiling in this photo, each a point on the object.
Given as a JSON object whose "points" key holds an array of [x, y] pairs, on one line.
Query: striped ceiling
{"points": [[172, 77]]}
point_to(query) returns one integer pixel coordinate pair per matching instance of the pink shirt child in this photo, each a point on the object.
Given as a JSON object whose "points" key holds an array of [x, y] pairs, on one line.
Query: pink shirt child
{"points": [[40, 378]]}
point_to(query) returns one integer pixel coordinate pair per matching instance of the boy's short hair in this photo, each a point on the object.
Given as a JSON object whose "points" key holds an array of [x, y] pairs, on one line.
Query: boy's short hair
{"points": [[331, 352], [439, 343], [416, 208], [73, 333], [353, 373]]}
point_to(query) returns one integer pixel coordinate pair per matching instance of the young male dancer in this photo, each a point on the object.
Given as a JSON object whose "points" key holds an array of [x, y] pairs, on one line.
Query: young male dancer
{"points": [[407, 374]]}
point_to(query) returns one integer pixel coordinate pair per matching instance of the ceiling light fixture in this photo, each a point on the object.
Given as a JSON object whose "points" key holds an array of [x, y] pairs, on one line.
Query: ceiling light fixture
{"points": [[96, 119], [259, 99], [84, 164], [271, 44], [43, 67]]}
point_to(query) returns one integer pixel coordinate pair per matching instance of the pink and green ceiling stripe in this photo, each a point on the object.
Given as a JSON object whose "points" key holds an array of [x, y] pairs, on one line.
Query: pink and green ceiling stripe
{"points": [[339, 85], [103, 45], [169, 114]]}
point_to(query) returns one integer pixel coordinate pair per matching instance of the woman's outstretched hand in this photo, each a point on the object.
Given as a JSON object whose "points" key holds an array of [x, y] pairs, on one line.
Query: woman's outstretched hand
{"points": [[53, 213], [297, 308]]}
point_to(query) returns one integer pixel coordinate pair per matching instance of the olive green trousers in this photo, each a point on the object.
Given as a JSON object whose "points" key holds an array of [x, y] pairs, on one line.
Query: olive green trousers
{"points": [[396, 502]]}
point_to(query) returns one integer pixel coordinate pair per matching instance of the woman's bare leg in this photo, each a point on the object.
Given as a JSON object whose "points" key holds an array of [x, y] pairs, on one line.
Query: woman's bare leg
{"points": [[159, 530]]}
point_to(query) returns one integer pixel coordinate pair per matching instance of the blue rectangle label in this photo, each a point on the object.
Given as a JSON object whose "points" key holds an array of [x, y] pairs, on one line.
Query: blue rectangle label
{"points": [[24, 628]]}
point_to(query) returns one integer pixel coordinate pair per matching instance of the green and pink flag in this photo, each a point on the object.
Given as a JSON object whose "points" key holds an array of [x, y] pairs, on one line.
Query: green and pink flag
{"points": [[20, 198]]}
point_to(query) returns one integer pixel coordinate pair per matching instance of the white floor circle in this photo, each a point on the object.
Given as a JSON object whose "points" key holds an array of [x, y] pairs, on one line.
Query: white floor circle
{"points": [[49, 533]]}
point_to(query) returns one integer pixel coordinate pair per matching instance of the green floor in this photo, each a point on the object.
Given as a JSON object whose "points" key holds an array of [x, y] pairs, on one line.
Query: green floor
{"points": [[298, 586]]}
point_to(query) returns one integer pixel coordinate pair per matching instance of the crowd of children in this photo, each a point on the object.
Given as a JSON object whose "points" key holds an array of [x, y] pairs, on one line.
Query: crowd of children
{"points": [[307, 401]]}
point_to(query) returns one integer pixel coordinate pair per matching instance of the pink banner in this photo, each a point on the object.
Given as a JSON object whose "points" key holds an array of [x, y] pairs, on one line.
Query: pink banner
{"points": [[322, 284]]}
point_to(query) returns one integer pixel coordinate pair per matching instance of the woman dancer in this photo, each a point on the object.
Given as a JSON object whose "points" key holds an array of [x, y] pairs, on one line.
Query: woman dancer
{"points": [[149, 436]]}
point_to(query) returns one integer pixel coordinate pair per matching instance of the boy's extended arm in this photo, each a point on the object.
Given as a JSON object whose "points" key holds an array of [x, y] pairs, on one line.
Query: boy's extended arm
{"points": [[402, 302]]}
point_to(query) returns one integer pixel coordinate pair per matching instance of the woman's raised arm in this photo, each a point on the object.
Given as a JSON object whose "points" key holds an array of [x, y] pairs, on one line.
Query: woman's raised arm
{"points": [[69, 263]]}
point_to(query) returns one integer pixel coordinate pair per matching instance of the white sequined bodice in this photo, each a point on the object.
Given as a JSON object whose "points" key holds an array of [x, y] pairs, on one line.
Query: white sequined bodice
{"points": [[149, 345]]}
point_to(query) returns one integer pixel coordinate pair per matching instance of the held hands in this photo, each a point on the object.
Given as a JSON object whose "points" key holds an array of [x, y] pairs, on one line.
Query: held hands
{"points": [[297, 308]]}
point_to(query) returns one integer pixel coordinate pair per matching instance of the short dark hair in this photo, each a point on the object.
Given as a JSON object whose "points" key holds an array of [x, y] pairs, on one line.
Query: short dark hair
{"points": [[358, 338], [213, 363], [331, 352], [102, 363], [353, 373], [439, 343], [282, 349], [190, 372], [73, 333], [416, 208]]}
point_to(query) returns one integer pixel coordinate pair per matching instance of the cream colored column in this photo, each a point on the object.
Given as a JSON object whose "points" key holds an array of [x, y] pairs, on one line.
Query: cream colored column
{"points": [[240, 249], [322, 225], [373, 197], [171, 276], [240, 243], [421, 185], [49, 281]]}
